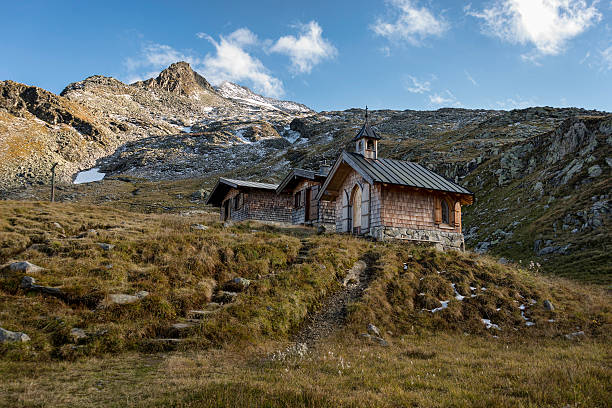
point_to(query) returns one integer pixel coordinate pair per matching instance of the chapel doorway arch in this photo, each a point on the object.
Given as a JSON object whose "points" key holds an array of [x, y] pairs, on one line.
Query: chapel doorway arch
{"points": [[356, 209]]}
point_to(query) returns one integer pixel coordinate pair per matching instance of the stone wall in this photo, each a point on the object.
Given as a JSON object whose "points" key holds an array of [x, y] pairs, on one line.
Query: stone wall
{"points": [[443, 240]]}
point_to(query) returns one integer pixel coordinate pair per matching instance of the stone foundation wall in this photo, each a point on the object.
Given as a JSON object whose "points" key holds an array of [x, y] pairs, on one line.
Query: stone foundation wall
{"points": [[443, 240]]}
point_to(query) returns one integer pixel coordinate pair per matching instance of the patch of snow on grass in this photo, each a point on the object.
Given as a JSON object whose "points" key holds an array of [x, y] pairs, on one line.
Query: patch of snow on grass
{"points": [[444, 304], [458, 296], [87, 176], [490, 325]]}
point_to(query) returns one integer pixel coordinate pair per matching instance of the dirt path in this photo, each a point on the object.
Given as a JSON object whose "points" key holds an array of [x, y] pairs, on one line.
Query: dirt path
{"points": [[332, 314]]}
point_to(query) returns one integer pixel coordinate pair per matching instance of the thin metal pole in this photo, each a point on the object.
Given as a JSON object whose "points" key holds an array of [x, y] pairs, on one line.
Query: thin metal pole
{"points": [[53, 182]]}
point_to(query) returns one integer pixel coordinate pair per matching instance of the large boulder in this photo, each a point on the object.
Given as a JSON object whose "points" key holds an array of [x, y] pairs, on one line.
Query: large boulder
{"points": [[124, 299], [24, 266], [7, 336]]}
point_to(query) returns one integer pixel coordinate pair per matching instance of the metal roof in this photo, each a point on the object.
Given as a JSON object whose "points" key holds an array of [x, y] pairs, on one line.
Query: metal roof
{"points": [[404, 173], [224, 185], [249, 184], [299, 174], [397, 172]]}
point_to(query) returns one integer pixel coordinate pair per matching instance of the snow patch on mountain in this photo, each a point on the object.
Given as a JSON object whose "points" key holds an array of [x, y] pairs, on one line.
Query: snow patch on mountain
{"points": [[244, 96]]}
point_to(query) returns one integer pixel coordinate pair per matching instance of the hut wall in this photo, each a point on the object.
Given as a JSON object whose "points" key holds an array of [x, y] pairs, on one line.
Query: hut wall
{"points": [[261, 205]]}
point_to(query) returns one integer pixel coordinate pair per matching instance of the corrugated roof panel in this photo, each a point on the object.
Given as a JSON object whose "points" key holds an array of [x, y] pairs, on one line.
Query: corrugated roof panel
{"points": [[251, 184], [404, 173]]}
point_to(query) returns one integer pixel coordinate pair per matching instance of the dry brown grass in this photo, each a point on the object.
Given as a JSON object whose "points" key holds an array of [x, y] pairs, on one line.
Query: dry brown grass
{"points": [[425, 371]]}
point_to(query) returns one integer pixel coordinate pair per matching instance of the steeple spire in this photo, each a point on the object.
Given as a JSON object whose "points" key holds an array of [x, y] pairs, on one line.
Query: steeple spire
{"points": [[366, 114]]}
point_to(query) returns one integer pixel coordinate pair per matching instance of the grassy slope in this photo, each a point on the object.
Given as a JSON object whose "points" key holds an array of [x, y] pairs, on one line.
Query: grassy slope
{"points": [[435, 359]]}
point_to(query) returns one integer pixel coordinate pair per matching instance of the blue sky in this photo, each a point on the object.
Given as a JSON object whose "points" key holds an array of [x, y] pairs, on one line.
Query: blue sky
{"points": [[399, 54]]}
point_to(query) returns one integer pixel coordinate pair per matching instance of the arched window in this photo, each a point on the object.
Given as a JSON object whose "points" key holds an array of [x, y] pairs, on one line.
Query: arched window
{"points": [[445, 213], [370, 145]]}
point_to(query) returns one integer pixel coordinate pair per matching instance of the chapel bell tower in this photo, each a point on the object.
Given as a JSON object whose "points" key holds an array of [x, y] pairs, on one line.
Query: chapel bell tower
{"points": [[366, 141]]}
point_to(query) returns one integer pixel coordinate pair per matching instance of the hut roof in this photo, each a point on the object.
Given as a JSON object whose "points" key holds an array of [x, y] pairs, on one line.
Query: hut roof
{"points": [[224, 185]]}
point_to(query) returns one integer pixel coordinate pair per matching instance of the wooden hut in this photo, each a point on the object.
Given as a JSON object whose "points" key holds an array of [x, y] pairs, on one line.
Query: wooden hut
{"points": [[246, 200], [393, 199]]}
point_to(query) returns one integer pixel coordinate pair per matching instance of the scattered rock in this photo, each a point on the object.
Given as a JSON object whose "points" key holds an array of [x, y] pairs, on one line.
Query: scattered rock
{"points": [[376, 339], [123, 299], [182, 326], [58, 226], [10, 336], [548, 305], [88, 233], [199, 195], [78, 334], [595, 171], [29, 283], [572, 336], [105, 246], [225, 297], [352, 276], [199, 227], [199, 314], [25, 266], [373, 330], [482, 247], [503, 261]]}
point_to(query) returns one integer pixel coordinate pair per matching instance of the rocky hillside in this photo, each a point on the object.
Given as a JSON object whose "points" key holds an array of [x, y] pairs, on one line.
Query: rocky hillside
{"points": [[541, 175], [38, 128]]}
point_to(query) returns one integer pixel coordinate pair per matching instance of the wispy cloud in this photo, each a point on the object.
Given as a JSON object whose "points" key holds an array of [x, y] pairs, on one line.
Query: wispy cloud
{"points": [[415, 85], [152, 59], [470, 78], [606, 56], [231, 62], [306, 50], [445, 98], [410, 23], [548, 25], [516, 102]]}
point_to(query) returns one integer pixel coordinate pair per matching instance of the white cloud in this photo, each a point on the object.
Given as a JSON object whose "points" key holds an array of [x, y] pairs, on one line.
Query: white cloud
{"points": [[414, 85], [157, 56], [470, 78], [232, 63], [445, 98], [410, 23], [306, 50], [546, 24], [606, 56], [152, 59]]}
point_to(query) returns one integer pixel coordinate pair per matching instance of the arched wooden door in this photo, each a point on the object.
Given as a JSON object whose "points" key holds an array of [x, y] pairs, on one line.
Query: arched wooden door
{"points": [[356, 208]]}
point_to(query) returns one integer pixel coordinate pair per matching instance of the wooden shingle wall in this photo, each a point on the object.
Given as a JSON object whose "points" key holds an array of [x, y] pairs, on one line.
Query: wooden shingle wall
{"points": [[261, 205], [407, 207]]}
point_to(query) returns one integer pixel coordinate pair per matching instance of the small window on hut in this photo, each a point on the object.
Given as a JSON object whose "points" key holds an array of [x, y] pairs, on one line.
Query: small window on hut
{"points": [[370, 145], [237, 202], [445, 213]]}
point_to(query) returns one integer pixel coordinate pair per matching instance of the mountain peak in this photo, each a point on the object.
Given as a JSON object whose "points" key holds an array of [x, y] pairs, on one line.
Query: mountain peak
{"points": [[178, 78]]}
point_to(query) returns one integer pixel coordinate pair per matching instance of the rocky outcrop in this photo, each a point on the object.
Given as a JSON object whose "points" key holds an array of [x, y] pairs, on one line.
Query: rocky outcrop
{"points": [[179, 79], [18, 99]]}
